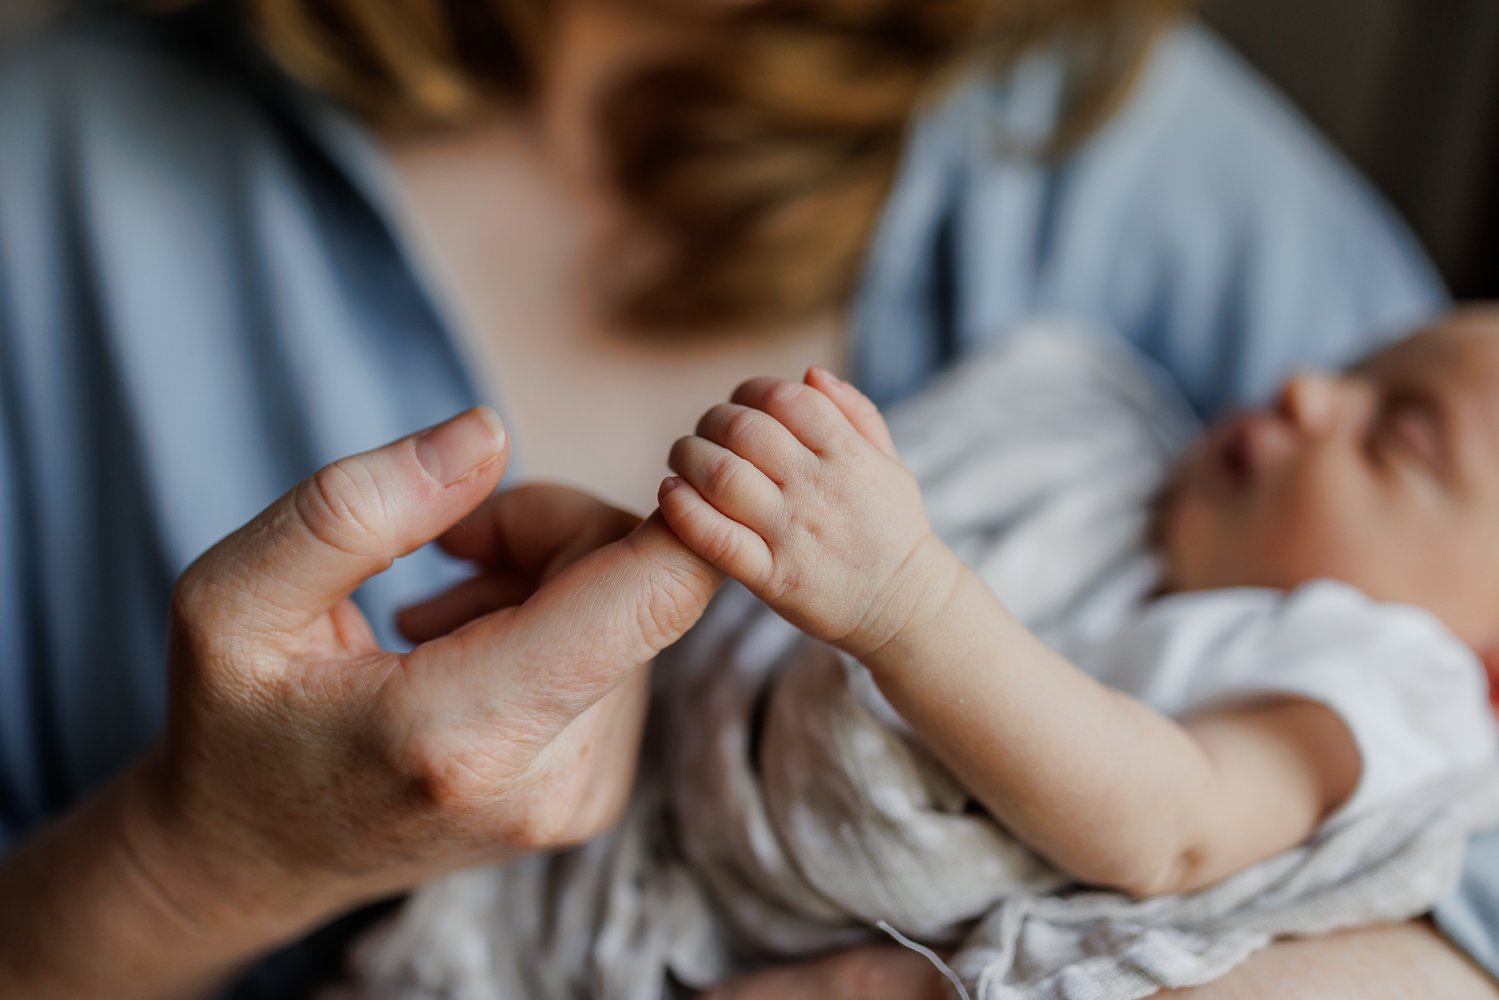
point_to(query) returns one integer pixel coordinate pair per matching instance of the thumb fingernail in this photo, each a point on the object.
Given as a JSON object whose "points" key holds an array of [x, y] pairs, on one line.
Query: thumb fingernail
{"points": [[453, 450]]}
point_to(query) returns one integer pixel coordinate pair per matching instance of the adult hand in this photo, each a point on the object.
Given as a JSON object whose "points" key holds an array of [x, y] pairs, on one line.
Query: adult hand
{"points": [[884, 971], [517, 540], [303, 769]]}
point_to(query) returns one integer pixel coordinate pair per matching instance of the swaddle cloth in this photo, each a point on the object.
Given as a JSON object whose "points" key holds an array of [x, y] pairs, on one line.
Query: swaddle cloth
{"points": [[784, 809]]}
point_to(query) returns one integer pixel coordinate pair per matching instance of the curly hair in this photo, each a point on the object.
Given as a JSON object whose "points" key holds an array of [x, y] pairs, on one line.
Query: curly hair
{"points": [[760, 158]]}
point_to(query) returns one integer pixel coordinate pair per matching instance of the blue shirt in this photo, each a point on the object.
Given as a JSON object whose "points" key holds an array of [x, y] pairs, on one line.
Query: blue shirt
{"points": [[203, 297]]}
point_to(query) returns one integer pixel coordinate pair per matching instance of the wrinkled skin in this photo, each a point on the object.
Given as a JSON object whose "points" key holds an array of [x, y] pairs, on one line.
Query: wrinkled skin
{"points": [[300, 749]]}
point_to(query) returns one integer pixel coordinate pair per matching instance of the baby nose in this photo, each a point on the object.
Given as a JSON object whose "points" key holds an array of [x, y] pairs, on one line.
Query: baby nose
{"points": [[1308, 401]]}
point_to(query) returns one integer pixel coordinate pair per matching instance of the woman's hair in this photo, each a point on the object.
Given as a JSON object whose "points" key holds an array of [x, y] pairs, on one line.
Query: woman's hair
{"points": [[760, 158]]}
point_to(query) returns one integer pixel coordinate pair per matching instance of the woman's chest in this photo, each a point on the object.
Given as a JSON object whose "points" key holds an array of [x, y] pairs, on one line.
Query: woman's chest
{"points": [[506, 244], [599, 411]]}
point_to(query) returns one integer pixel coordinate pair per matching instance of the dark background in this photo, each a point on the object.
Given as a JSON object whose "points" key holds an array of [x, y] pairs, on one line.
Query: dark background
{"points": [[1407, 89]]}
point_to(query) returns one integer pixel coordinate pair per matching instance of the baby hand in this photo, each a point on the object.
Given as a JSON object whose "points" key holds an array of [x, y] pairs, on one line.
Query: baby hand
{"points": [[796, 491]]}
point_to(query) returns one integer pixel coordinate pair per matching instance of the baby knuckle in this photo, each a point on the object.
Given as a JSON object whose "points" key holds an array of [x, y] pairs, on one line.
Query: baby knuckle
{"points": [[741, 426], [714, 419], [746, 389], [680, 452], [809, 531], [785, 583], [784, 396], [721, 474], [720, 547], [851, 454]]}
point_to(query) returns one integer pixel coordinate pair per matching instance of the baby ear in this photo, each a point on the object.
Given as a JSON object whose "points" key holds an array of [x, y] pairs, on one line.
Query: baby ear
{"points": [[857, 407]]}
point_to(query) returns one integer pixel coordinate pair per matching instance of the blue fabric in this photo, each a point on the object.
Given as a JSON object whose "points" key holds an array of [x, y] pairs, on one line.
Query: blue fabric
{"points": [[199, 309], [202, 299], [1470, 916], [1206, 222]]}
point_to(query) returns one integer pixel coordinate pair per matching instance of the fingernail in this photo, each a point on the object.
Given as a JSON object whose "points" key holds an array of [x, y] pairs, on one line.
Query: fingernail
{"points": [[454, 449], [667, 485], [834, 379]]}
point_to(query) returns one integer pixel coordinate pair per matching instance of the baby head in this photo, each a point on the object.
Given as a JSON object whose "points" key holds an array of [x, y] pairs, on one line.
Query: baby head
{"points": [[1385, 477]]}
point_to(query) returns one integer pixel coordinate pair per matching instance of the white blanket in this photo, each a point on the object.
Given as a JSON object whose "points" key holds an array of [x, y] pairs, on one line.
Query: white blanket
{"points": [[784, 809]]}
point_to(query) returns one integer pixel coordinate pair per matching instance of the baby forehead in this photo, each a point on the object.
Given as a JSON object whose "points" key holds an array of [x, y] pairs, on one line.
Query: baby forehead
{"points": [[1462, 345]]}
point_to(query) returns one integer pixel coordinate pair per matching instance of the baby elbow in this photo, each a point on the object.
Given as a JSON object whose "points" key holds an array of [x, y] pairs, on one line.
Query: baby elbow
{"points": [[1148, 874], [1183, 871]]}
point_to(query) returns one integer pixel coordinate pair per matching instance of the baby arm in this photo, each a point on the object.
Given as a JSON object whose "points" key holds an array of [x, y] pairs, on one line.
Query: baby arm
{"points": [[796, 490]]}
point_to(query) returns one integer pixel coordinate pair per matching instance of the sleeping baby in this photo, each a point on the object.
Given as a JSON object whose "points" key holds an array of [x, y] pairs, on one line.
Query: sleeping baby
{"points": [[1233, 683]]}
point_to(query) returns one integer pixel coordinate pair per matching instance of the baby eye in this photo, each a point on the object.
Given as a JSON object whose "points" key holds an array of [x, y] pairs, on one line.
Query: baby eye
{"points": [[1409, 426]]}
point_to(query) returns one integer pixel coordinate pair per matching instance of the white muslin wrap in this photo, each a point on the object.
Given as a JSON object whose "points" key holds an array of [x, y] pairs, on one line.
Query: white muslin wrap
{"points": [[784, 809]]}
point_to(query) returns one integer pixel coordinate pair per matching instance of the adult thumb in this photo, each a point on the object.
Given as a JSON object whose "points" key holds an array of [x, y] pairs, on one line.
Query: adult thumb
{"points": [[349, 521]]}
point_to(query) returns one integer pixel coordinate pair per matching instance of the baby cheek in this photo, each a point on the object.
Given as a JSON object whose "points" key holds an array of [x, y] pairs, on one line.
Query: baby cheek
{"points": [[1275, 537], [1445, 565], [1191, 534], [1323, 527]]}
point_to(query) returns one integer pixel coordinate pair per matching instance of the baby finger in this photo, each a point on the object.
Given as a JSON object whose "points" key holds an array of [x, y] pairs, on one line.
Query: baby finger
{"points": [[758, 437], [725, 543], [807, 413], [733, 485]]}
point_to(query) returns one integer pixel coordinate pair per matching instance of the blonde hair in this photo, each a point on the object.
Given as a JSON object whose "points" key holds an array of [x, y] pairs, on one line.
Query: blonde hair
{"points": [[760, 159]]}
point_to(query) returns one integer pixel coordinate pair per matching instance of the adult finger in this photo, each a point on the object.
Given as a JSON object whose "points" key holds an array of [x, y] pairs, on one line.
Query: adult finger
{"points": [[461, 604], [583, 632], [523, 530], [523, 537], [310, 549]]}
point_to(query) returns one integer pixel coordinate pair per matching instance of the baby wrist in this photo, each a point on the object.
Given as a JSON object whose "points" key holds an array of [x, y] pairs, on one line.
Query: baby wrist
{"points": [[906, 616]]}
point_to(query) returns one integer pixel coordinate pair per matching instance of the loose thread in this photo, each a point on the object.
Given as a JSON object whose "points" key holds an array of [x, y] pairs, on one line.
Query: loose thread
{"points": [[929, 955]]}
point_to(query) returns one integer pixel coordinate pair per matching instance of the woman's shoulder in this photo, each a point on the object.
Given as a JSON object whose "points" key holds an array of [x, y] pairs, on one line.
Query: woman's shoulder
{"points": [[173, 111], [1206, 221], [120, 135], [1197, 113], [163, 71], [193, 274]]}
